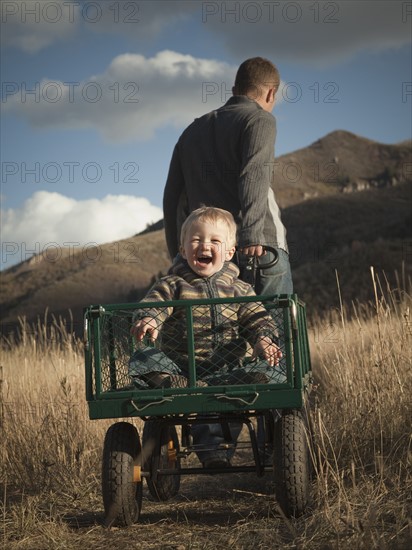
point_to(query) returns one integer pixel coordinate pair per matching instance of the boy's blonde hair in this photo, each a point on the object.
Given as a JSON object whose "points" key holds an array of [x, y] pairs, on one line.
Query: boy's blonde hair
{"points": [[213, 215]]}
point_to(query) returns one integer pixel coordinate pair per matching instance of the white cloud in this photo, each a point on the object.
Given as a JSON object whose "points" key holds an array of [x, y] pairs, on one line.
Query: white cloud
{"points": [[46, 218], [133, 98], [32, 26]]}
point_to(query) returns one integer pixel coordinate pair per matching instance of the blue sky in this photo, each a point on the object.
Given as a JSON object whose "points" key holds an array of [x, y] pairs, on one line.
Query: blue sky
{"points": [[95, 95]]}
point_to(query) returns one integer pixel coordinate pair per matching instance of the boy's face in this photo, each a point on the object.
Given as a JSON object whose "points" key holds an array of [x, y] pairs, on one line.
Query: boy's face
{"points": [[206, 247]]}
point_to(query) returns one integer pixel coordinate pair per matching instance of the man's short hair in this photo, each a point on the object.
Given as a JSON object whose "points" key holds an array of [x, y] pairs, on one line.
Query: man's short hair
{"points": [[213, 215], [256, 73]]}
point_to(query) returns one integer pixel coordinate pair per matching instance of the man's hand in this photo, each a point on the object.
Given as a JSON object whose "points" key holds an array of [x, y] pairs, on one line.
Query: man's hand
{"points": [[264, 347], [253, 250], [145, 325]]}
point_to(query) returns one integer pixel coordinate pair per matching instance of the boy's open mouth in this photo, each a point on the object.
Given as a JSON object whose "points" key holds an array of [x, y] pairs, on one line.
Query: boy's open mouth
{"points": [[204, 260]]}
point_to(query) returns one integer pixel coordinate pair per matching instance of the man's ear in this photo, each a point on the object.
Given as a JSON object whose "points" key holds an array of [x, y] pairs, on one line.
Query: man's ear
{"points": [[270, 95]]}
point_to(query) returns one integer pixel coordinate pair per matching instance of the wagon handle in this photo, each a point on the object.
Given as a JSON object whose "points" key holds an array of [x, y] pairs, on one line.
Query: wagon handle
{"points": [[224, 396], [139, 409], [272, 262], [249, 268]]}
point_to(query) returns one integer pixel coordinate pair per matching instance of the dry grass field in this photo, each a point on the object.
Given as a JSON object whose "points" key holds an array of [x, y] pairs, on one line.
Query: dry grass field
{"points": [[51, 453]]}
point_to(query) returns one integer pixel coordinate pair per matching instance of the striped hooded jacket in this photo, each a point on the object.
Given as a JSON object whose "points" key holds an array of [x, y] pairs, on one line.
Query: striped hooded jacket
{"points": [[216, 327]]}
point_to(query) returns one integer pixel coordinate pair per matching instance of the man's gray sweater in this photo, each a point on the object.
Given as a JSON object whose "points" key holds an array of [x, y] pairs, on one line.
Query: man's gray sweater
{"points": [[226, 159]]}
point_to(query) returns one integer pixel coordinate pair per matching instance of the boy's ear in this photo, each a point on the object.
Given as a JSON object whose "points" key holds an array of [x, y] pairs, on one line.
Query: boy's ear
{"points": [[182, 252], [230, 253]]}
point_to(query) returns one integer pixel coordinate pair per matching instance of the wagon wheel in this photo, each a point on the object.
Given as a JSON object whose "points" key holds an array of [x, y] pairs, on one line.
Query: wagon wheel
{"points": [[121, 481], [292, 463], [160, 449]]}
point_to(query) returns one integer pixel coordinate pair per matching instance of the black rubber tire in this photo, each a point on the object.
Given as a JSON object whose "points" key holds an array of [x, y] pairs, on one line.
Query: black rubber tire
{"points": [[291, 461], [160, 447], [122, 497]]}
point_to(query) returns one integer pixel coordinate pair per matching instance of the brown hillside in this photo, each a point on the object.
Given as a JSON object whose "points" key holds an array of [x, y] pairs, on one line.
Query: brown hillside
{"points": [[336, 230], [319, 229], [347, 233], [114, 272], [340, 162]]}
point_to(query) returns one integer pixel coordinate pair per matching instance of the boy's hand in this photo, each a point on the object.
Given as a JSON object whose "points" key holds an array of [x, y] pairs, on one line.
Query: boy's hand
{"points": [[145, 325], [264, 347]]}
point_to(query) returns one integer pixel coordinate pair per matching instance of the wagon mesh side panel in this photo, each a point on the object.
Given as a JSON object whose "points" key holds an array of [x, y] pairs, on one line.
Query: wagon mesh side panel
{"points": [[223, 353], [116, 347]]}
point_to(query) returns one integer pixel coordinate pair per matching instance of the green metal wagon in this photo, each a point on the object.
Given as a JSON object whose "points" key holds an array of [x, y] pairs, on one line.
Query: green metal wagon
{"points": [[160, 454]]}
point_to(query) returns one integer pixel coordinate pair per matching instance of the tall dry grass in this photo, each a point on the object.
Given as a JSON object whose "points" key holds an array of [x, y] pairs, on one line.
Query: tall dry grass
{"points": [[363, 368], [51, 452]]}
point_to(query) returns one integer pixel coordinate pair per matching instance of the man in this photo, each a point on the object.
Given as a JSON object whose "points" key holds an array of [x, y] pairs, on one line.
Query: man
{"points": [[226, 159]]}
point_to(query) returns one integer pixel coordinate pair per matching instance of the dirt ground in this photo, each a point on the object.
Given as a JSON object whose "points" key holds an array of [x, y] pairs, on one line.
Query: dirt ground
{"points": [[210, 511]]}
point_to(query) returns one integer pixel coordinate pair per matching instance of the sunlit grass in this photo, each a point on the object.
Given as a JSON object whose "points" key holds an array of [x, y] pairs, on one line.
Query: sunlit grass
{"points": [[362, 359]]}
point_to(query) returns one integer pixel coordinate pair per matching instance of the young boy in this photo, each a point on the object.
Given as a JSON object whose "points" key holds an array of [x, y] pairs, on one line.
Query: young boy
{"points": [[208, 239]]}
